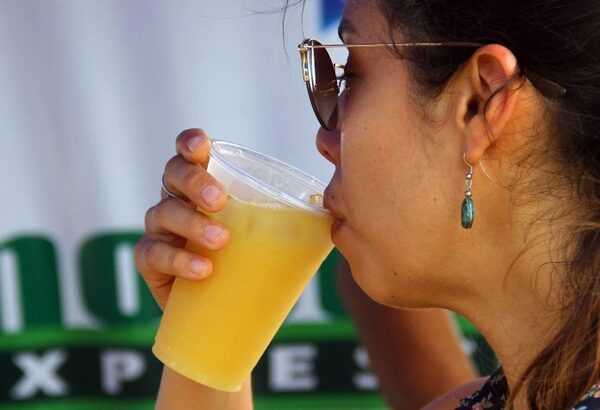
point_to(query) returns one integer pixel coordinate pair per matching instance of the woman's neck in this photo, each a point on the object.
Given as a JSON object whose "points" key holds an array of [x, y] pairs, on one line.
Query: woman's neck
{"points": [[520, 314]]}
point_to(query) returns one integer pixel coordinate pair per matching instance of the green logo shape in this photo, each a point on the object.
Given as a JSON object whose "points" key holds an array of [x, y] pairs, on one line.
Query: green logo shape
{"points": [[113, 289]]}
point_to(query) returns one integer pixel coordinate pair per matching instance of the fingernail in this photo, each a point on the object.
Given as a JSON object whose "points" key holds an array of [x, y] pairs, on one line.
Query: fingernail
{"points": [[194, 143], [211, 194], [213, 233], [197, 266]]}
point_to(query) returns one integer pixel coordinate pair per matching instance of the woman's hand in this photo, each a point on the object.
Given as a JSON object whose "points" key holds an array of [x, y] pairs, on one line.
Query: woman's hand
{"points": [[161, 255]]}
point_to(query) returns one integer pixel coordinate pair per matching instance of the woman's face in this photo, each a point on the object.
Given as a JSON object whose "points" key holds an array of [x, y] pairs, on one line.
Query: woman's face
{"points": [[399, 182]]}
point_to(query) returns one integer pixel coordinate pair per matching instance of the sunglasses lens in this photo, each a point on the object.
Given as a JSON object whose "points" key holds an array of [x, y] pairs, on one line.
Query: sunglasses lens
{"points": [[324, 88]]}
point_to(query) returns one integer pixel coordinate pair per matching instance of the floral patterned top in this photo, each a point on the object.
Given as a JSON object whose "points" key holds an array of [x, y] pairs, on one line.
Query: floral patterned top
{"points": [[493, 395]]}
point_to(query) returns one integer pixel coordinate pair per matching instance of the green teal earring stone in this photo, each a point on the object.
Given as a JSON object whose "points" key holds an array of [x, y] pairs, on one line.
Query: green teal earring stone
{"points": [[467, 213]]}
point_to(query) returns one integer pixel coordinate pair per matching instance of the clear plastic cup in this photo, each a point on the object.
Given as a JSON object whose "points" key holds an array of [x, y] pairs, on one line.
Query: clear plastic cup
{"points": [[214, 331]]}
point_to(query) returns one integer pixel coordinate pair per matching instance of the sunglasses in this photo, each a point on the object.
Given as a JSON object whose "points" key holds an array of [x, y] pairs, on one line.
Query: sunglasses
{"points": [[324, 84]]}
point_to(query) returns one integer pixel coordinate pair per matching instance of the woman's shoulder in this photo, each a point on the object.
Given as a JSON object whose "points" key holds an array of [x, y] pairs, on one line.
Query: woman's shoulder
{"points": [[451, 400]]}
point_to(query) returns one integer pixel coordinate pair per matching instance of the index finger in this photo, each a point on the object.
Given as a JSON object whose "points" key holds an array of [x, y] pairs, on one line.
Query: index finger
{"points": [[194, 145]]}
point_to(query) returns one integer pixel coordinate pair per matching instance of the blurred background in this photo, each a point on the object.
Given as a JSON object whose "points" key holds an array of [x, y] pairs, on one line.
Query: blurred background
{"points": [[92, 96]]}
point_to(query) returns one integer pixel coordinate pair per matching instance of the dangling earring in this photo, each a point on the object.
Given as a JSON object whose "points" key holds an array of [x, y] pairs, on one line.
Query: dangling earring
{"points": [[467, 214]]}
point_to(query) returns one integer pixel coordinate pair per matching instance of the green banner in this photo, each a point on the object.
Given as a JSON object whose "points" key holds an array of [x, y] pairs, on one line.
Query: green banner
{"points": [[47, 364]]}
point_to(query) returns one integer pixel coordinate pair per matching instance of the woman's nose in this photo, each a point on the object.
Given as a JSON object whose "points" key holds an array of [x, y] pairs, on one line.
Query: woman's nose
{"points": [[328, 144]]}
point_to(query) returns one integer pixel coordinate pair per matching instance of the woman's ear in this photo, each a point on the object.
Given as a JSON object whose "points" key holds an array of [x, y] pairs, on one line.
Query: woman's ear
{"points": [[486, 79]]}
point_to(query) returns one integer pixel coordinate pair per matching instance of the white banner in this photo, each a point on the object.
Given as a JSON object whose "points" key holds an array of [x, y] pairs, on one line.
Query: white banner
{"points": [[92, 95]]}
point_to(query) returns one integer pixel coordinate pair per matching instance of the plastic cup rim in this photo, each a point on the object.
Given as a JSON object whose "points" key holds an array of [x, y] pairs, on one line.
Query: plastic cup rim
{"points": [[261, 186]]}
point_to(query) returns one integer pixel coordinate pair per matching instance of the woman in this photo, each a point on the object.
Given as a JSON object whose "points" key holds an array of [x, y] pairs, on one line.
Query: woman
{"points": [[506, 103]]}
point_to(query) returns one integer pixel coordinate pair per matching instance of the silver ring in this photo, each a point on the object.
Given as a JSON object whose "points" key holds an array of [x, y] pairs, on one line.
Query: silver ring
{"points": [[167, 191]]}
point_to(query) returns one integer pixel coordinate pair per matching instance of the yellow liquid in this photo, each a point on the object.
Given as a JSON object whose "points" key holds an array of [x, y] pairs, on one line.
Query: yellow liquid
{"points": [[215, 330]]}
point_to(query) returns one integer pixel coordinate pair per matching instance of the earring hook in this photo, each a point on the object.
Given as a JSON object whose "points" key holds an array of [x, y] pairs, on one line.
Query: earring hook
{"points": [[467, 162], [480, 164]]}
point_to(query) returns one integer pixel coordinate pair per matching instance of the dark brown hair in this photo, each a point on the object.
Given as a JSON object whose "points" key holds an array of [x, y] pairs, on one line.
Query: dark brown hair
{"points": [[558, 40]]}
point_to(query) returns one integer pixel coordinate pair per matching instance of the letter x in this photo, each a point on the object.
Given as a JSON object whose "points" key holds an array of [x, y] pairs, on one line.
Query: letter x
{"points": [[39, 374]]}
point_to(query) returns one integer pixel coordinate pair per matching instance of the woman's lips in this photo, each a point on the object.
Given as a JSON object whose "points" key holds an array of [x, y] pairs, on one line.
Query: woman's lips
{"points": [[328, 204], [335, 227]]}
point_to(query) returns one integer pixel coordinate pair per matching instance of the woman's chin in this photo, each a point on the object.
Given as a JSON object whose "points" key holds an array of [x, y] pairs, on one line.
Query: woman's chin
{"points": [[387, 292], [378, 283], [367, 281]]}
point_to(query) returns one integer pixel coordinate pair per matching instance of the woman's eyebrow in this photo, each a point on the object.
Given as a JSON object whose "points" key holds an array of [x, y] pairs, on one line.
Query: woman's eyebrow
{"points": [[345, 28]]}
